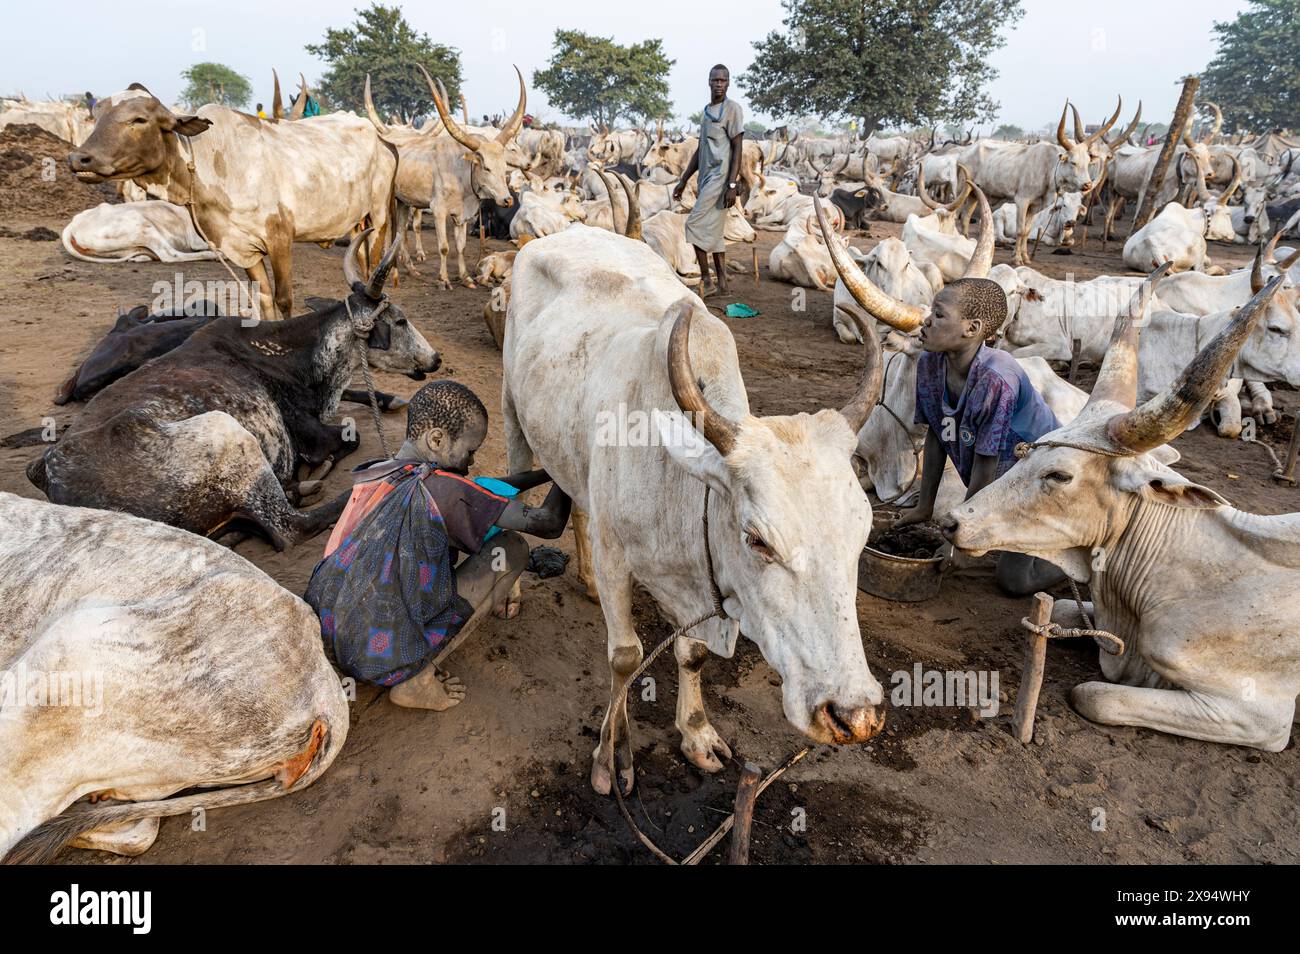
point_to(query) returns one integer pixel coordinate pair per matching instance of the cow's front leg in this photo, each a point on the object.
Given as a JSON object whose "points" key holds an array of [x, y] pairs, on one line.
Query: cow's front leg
{"points": [[1260, 723], [1261, 402], [417, 226], [440, 229], [1024, 216], [466, 279], [260, 281], [701, 744], [625, 654]]}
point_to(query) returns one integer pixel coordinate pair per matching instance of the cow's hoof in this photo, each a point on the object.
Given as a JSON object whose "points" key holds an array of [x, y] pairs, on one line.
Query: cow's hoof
{"points": [[468, 283], [412, 270], [121, 838], [600, 778], [705, 749], [1269, 416]]}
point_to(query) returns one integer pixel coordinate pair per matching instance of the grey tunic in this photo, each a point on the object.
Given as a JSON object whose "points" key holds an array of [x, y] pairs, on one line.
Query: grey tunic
{"points": [[705, 224]]}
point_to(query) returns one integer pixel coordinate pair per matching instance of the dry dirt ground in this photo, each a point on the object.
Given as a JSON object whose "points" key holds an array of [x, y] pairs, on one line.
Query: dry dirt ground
{"points": [[940, 785]]}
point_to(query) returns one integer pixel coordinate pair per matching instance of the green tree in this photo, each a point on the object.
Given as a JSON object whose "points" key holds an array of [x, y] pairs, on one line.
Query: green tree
{"points": [[1008, 131], [592, 77], [1255, 75], [384, 45], [215, 83], [890, 62]]}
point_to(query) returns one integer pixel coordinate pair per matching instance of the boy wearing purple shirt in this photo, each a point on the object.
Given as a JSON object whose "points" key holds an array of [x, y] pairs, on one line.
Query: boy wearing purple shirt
{"points": [[978, 404]]}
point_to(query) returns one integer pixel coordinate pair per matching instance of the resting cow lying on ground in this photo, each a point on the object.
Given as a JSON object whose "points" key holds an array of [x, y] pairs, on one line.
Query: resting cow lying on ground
{"points": [[186, 667], [213, 431], [151, 231], [1196, 589]]}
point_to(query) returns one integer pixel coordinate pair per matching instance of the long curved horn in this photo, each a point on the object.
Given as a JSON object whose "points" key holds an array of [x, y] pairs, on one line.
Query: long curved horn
{"points": [[613, 206], [277, 103], [466, 139], [963, 174], [982, 258], [380, 126], [1167, 414], [1235, 183], [1257, 268], [632, 229], [920, 188], [863, 402], [1117, 377], [351, 266], [301, 105], [1061, 137], [375, 286], [1213, 134], [1106, 127], [1079, 134], [865, 293], [718, 430], [511, 128], [1286, 263], [1128, 131]]}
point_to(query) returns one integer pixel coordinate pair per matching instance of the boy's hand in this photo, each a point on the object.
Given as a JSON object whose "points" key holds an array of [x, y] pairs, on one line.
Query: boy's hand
{"points": [[913, 515]]}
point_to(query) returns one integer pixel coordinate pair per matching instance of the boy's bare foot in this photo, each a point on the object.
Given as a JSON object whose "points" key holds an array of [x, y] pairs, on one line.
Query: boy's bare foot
{"points": [[707, 289], [431, 688]]}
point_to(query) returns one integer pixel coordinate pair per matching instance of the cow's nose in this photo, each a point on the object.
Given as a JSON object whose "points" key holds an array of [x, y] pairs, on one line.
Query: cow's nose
{"points": [[849, 725], [948, 526], [78, 160], [506, 203], [1250, 220]]}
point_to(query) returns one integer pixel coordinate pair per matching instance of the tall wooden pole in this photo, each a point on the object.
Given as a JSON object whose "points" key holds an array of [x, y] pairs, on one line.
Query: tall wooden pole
{"points": [[1179, 123]]}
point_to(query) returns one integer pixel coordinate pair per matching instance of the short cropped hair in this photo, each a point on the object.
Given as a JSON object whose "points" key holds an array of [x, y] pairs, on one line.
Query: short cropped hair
{"points": [[720, 66], [445, 404], [982, 300]]}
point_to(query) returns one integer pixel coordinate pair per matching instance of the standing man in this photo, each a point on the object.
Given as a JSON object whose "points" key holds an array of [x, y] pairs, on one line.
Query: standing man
{"points": [[718, 162]]}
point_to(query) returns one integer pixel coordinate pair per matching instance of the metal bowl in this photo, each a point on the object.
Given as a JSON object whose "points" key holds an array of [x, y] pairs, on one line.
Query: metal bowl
{"points": [[898, 578]]}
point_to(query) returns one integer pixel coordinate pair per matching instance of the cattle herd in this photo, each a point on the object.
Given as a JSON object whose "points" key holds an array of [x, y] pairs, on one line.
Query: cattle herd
{"points": [[200, 425]]}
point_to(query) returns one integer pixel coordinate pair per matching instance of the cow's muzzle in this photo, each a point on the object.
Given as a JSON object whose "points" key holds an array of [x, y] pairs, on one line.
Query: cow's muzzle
{"points": [[849, 725], [82, 166]]}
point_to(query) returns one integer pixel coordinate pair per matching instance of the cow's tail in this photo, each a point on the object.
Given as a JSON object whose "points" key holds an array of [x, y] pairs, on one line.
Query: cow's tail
{"points": [[43, 842]]}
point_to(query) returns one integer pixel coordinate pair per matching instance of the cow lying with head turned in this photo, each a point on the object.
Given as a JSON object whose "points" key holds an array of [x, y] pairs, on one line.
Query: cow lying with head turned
{"points": [[787, 518], [213, 431], [1199, 592], [150, 231], [177, 665]]}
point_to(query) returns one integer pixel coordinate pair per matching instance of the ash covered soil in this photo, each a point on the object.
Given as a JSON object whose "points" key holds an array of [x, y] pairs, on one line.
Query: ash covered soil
{"points": [[939, 785]]}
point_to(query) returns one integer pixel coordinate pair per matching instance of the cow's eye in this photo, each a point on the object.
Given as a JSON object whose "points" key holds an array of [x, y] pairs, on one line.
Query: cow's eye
{"points": [[1058, 477], [1282, 330], [399, 321], [758, 545]]}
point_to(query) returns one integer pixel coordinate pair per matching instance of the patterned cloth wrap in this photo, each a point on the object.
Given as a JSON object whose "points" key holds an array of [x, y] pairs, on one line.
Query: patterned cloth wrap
{"points": [[385, 591]]}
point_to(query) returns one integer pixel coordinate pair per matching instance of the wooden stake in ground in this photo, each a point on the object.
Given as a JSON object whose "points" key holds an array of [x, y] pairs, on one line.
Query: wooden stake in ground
{"points": [[746, 795], [1182, 114], [755, 251], [1287, 474], [480, 234], [1031, 674]]}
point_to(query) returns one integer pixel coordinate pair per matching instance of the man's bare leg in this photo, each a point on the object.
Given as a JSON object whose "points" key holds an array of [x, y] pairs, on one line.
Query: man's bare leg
{"points": [[483, 580], [707, 287], [719, 269]]}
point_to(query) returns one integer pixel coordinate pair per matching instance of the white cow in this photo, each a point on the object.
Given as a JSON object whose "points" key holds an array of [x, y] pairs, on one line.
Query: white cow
{"points": [[150, 231], [890, 267], [665, 232], [801, 258], [786, 577], [177, 665], [1191, 585], [1054, 226], [1179, 235]]}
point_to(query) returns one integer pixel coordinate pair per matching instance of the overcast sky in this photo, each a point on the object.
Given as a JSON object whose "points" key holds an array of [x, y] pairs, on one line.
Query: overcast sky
{"points": [[1087, 51]]}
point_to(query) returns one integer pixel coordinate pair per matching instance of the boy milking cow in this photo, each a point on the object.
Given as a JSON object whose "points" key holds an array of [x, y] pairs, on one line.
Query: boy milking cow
{"points": [[389, 592]]}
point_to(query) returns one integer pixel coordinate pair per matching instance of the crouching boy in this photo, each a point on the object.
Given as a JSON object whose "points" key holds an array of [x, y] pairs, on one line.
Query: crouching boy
{"points": [[392, 591]]}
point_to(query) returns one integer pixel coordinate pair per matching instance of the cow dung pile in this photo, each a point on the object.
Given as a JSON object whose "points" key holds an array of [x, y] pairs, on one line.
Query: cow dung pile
{"points": [[921, 541], [35, 182]]}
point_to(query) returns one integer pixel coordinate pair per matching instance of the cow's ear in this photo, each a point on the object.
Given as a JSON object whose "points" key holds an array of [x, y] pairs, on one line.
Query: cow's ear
{"points": [[188, 125], [1158, 483], [381, 336], [690, 450]]}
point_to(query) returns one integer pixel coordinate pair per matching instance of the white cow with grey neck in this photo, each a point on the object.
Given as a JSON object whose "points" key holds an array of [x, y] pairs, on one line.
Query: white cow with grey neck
{"points": [[1196, 589]]}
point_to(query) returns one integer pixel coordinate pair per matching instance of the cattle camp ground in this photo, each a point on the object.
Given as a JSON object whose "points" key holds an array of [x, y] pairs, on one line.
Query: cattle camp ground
{"points": [[506, 776]]}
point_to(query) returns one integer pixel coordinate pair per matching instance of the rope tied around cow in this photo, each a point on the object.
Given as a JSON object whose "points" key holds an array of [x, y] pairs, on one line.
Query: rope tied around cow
{"points": [[717, 612], [361, 329]]}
